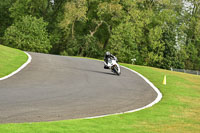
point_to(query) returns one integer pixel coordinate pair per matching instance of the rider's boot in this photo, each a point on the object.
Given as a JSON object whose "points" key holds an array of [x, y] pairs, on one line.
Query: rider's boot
{"points": [[106, 67]]}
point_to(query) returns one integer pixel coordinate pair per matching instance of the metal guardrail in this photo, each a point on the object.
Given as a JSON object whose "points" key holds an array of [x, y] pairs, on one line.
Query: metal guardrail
{"points": [[186, 71]]}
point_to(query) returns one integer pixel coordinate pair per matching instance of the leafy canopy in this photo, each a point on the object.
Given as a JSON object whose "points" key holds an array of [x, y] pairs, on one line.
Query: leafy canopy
{"points": [[29, 34]]}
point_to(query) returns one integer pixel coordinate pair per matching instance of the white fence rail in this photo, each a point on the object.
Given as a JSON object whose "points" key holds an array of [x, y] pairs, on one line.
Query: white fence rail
{"points": [[186, 71]]}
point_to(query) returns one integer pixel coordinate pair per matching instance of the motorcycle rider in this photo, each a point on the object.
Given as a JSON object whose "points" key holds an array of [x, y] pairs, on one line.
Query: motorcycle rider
{"points": [[106, 57]]}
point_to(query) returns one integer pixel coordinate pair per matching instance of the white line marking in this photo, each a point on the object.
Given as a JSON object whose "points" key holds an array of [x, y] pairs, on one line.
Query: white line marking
{"points": [[158, 98], [20, 68]]}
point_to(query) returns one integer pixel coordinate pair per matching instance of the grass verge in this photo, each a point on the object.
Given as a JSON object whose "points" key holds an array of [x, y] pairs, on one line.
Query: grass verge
{"points": [[10, 60], [178, 111]]}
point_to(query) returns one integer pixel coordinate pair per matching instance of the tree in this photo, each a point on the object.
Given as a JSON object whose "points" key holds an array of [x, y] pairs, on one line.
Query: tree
{"points": [[158, 33], [39, 8], [74, 11], [122, 42], [110, 14], [5, 19], [29, 34], [191, 33]]}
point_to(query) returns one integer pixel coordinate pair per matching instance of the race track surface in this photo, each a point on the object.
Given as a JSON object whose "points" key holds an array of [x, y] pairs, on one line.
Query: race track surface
{"points": [[58, 88]]}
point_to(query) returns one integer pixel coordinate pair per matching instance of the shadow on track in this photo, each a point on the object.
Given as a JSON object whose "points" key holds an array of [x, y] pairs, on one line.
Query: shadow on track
{"points": [[100, 72], [95, 71]]}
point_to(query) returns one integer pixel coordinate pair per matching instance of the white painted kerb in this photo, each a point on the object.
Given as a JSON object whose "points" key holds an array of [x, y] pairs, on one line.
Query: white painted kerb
{"points": [[158, 98], [19, 69]]}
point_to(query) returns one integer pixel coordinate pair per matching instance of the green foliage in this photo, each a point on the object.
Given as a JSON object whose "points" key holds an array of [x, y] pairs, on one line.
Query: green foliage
{"points": [[29, 34], [74, 11], [122, 42], [191, 28], [192, 57], [5, 19], [39, 8], [91, 48], [162, 34], [155, 47]]}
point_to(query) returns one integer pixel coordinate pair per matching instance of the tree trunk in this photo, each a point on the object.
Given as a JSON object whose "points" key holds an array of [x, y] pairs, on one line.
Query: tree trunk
{"points": [[73, 30], [96, 28]]}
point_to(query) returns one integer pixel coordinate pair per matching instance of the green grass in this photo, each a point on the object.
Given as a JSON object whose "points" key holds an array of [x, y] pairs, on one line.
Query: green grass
{"points": [[177, 112], [10, 60]]}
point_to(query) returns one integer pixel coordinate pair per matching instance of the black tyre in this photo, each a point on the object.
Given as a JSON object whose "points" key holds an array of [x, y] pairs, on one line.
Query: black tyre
{"points": [[115, 69]]}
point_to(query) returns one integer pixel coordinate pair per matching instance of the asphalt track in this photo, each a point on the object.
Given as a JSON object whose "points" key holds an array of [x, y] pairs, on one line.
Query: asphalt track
{"points": [[59, 88]]}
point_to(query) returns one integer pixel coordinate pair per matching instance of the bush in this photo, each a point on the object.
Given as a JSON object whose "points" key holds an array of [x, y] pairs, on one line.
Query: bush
{"points": [[29, 34]]}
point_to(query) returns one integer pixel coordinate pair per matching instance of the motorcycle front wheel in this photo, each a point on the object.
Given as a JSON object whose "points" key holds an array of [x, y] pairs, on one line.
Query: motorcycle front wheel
{"points": [[115, 69]]}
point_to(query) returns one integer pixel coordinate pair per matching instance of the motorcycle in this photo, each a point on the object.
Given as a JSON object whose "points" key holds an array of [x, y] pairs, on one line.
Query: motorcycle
{"points": [[113, 65]]}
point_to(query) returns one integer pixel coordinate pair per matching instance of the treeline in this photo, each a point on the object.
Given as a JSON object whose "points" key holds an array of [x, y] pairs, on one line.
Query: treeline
{"points": [[159, 33]]}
